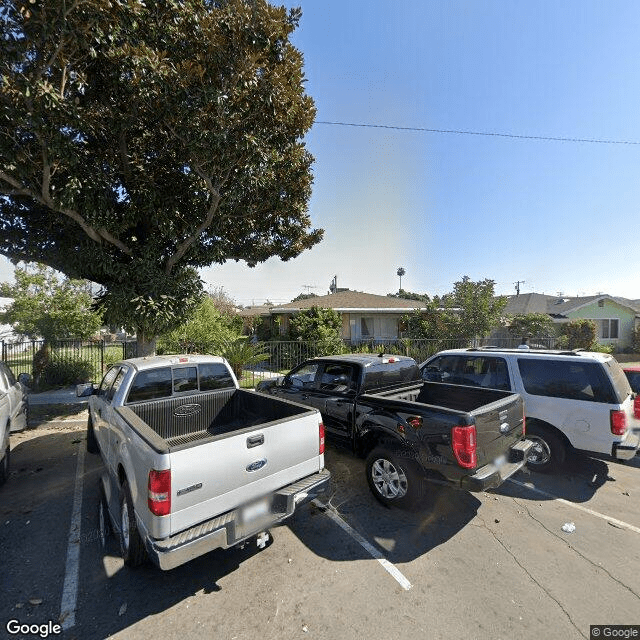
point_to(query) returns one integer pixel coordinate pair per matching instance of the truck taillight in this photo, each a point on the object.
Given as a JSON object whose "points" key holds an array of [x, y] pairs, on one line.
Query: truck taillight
{"points": [[618, 423], [463, 442], [321, 439], [636, 407], [160, 492]]}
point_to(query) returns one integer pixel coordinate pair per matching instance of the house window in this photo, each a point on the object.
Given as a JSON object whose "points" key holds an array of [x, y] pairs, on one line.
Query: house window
{"points": [[366, 327], [610, 328]]}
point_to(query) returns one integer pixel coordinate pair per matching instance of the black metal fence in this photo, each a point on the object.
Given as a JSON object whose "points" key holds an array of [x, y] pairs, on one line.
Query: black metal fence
{"points": [[90, 358]]}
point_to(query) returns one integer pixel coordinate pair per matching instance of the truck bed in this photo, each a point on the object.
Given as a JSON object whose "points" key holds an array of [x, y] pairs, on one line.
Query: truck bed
{"points": [[180, 422]]}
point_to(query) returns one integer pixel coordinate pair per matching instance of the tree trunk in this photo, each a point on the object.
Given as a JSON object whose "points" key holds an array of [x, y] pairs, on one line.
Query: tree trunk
{"points": [[146, 344]]}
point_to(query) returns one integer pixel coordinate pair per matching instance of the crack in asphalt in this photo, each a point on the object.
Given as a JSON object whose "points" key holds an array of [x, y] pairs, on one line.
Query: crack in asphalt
{"points": [[579, 553], [504, 546]]}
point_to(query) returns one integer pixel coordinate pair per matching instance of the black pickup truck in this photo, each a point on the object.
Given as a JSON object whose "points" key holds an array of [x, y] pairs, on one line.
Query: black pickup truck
{"points": [[409, 429]]}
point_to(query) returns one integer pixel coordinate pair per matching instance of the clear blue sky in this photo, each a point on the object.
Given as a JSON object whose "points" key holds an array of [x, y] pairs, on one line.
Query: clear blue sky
{"points": [[561, 216]]}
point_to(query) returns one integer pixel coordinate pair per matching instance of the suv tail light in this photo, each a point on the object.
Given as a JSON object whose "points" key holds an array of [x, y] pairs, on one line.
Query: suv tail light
{"points": [[636, 407], [160, 492], [524, 425], [463, 442], [618, 423], [321, 439]]}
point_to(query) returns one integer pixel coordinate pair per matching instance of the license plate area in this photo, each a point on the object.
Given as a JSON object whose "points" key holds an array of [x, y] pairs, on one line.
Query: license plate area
{"points": [[255, 511]]}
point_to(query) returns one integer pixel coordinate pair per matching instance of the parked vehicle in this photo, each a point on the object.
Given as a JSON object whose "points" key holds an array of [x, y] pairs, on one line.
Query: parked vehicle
{"points": [[573, 399], [13, 415], [407, 429], [633, 376], [192, 462]]}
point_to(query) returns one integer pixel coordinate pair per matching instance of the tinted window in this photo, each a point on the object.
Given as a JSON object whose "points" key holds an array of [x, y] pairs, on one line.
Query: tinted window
{"points": [[565, 379], [150, 384], [387, 374], [116, 384], [620, 383], [215, 376], [185, 379], [107, 381], [634, 380], [304, 376], [337, 377]]}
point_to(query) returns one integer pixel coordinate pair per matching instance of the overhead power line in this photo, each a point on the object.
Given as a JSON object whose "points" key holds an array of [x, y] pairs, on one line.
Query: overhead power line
{"points": [[464, 132]]}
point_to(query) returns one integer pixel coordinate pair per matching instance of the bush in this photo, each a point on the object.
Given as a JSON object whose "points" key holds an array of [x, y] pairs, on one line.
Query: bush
{"points": [[578, 334], [240, 352], [64, 371]]}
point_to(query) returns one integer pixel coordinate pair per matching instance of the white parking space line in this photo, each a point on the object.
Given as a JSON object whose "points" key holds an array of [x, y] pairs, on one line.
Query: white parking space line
{"points": [[597, 514], [388, 567], [70, 588]]}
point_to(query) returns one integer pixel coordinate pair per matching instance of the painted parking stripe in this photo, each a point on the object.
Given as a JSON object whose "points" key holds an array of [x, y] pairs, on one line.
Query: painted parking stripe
{"points": [[70, 588], [388, 567], [597, 514]]}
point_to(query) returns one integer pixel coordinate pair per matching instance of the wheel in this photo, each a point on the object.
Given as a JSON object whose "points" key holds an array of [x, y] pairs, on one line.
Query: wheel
{"points": [[92, 441], [131, 545], [4, 467], [393, 480], [104, 522], [548, 451]]}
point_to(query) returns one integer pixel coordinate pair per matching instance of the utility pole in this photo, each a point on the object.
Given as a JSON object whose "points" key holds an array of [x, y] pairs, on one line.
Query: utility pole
{"points": [[518, 283]]}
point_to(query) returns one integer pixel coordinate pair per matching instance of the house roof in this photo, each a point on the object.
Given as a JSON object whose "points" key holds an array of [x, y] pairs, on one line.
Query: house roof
{"points": [[257, 310], [559, 306], [353, 301]]}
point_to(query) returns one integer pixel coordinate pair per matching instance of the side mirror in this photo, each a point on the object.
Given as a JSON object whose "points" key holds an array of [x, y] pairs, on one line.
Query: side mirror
{"points": [[86, 389]]}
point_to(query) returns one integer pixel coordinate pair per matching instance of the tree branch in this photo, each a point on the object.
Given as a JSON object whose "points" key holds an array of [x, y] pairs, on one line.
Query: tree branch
{"points": [[97, 235], [183, 246]]}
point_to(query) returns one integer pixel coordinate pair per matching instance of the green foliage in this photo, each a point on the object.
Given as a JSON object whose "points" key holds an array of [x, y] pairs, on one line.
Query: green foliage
{"points": [[409, 295], [321, 326], [602, 348], [241, 352], [470, 311], [48, 307], [531, 325], [140, 142], [206, 331], [578, 334], [66, 370], [304, 296]]}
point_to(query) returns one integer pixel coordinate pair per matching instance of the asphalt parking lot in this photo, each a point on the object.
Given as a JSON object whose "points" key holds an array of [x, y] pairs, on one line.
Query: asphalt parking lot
{"points": [[489, 565]]}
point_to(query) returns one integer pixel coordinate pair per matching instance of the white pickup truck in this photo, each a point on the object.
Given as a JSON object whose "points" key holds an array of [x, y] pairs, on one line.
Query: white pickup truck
{"points": [[192, 462], [13, 415]]}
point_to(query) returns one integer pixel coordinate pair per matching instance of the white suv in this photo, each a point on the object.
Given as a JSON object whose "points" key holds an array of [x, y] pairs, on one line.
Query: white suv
{"points": [[575, 399]]}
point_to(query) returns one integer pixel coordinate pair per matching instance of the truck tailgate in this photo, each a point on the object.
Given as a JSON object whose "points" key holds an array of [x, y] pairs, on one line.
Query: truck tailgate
{"points": [[219, 475], [498, 428]]}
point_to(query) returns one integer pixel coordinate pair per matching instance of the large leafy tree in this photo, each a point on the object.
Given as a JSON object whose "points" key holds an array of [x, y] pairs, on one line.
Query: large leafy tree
{"points": [[139, 142], [531, 325], [46, 306]]}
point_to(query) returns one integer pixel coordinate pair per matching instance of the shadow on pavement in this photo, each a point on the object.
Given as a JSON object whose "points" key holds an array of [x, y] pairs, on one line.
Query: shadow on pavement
{"points": [[577, 481], [401, 536]]}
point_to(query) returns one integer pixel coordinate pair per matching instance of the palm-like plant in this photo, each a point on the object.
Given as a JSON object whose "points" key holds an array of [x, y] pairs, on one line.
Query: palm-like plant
{"points": [[400, 272], [240, 352]]}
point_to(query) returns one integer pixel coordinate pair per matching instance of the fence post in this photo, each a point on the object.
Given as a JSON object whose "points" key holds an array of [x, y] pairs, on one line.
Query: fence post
{"points": [[4, 351], [102, 357]]}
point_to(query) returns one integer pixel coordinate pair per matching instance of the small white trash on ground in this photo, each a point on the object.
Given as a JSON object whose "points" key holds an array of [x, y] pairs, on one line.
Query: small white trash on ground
{"points": [[569, 527]]}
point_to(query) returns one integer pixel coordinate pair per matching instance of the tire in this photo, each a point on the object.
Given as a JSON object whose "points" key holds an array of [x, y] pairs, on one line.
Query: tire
{"points": [[4, 466], [92, 441], [131, 545], [548, 452], [105, 529], [394, 480]]}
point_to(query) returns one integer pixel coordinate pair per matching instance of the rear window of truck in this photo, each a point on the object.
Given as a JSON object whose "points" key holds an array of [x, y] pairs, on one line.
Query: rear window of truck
{"points": [[388, 374], [154, 384]]}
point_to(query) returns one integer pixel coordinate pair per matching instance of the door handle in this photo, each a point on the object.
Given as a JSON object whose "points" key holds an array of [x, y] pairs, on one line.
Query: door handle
{"points": [[255, 441]]}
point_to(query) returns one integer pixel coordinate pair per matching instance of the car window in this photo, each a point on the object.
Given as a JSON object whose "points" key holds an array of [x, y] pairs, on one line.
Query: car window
{"points": [[566, 379], [620, 383], [107, 381], [116, 384], [304, 376], [185, 379], [386, 374], [338, 378], [11, 380], [215, 376], [441, 369], [151, 384], [634, 380]]}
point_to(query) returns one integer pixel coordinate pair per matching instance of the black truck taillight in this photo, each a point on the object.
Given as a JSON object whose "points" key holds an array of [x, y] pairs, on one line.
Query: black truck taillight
{"points": [[463, 442], [160, 492]]}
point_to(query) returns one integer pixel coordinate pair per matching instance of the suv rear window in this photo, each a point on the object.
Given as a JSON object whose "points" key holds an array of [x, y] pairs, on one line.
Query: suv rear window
{"points": [[566, 379]]}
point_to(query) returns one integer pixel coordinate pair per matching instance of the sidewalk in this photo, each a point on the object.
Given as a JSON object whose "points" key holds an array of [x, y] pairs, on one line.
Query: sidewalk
{"points": [[57, 396]]}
